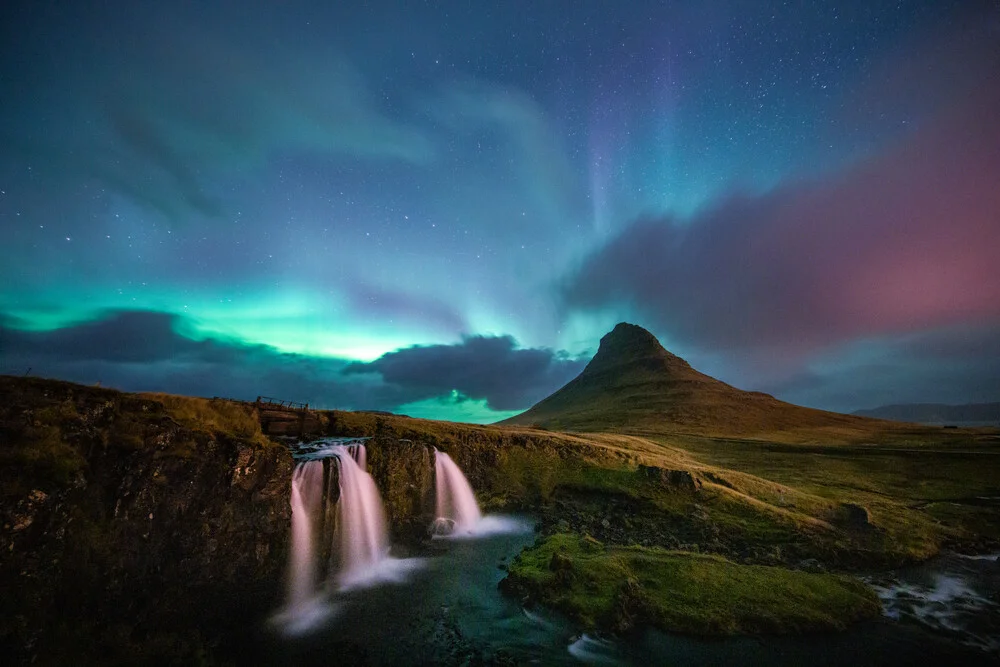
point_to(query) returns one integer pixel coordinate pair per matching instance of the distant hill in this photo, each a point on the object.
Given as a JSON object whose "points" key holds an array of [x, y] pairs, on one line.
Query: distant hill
{"points": [[633, 384], [936, 413]]}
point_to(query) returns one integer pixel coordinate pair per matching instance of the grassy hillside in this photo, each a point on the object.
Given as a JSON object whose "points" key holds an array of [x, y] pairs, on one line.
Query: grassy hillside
{"points": [[842, 506], [763, 522], [636, 515]]}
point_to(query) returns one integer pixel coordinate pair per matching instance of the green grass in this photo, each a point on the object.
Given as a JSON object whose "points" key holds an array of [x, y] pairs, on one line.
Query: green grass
{"points": [[44, 452], [758, 503], [214, 416], [922, 494], [616, 588], [49, 430]]}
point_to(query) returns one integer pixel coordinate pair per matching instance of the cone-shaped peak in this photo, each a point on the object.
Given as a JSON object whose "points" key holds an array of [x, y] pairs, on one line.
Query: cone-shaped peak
{"points": [[629, 342], [630, 334], [633, 384]]}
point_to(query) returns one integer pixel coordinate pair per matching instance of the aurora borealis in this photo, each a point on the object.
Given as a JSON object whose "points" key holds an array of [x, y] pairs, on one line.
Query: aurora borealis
{"points": [[440, 209]]}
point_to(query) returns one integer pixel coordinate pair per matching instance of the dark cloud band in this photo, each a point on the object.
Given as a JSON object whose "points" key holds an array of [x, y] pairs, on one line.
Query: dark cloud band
{"points": [[142, 350], [486, 367]]}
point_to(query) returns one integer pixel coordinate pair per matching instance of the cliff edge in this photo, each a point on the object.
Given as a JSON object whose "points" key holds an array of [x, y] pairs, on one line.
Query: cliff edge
{"points": [[136, 528]]}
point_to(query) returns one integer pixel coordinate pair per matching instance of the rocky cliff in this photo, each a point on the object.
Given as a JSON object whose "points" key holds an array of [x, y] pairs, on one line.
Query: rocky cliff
{"points": [[136, 528]]}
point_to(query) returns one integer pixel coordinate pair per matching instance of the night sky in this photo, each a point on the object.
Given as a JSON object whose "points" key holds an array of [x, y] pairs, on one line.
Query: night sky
{"points": [[439, 208]]}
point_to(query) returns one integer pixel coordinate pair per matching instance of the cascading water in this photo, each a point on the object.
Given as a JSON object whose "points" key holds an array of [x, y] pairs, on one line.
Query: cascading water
{"points": [[339, 537], [456, 508], [360, 456], [307, 495], [361, 534], [349, 523]]}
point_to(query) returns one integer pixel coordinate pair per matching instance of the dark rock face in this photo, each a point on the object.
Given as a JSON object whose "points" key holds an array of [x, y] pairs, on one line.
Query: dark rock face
{"points": [[127, 537], [621, 519], [854, 516], [291, 423], [404, 473], [628, 343]]}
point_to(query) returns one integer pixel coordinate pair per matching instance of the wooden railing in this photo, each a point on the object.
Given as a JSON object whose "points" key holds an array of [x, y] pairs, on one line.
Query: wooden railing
{"points": [[267, 402]]}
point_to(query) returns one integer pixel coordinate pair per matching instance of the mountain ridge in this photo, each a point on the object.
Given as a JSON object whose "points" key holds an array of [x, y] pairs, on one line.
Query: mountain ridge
{"points": [[935, 412], [634, 384]]}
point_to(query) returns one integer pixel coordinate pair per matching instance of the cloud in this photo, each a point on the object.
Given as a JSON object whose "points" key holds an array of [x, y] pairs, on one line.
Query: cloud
{"points": [[142, 351], [951, 365], [126, 336], [480, 367], [902, 242]]}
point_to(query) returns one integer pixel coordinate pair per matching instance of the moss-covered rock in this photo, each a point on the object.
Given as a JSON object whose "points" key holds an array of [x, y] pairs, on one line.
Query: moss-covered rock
{"points": [[617, 588]]}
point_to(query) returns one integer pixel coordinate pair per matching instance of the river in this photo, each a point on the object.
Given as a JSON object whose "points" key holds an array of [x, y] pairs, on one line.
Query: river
{"points": [[445, 609]]}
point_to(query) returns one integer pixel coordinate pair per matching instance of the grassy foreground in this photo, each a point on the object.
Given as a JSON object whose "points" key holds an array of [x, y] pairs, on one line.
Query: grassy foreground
{"points": [[703, 534], [617, 588]]}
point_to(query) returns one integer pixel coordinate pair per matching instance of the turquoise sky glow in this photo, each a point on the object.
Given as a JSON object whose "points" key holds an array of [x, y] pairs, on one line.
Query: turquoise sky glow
{"points": [[440, 210]]}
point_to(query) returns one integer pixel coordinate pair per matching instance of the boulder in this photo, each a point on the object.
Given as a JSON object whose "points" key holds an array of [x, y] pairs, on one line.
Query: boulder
{"points": [[854, 517], [675, 480]]}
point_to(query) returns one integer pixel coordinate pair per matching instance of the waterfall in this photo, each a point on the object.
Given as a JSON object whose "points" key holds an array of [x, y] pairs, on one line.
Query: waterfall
{"points": [[339, 532], [361, 533], [307, 495], [347, 522], [360, 456], [455, 501]]}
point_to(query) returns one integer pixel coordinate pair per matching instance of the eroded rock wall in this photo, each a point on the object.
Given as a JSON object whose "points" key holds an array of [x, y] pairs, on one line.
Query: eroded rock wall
{"points": [[128, 537], [403, 470]]}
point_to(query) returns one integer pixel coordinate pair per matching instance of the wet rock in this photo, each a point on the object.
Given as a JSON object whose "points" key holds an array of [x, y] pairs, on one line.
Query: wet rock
{"points": [[441, 527], [403, 470]]}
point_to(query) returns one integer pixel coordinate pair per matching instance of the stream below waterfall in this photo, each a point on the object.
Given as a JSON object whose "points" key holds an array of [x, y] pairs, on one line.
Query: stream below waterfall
{"points": [[444, 607], [448, 611]]}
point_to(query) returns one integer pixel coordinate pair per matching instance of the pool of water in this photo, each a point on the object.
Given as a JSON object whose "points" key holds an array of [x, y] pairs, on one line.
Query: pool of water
{"points": [[445, 609]]}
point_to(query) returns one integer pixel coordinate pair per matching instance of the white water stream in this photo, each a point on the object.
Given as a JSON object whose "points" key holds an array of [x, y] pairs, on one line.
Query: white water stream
{"points": [[456, 503], [361, 535]]}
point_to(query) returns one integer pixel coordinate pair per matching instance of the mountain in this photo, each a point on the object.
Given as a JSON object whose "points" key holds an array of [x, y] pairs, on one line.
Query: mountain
{"points": [[936, 413], [633, 384]]}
